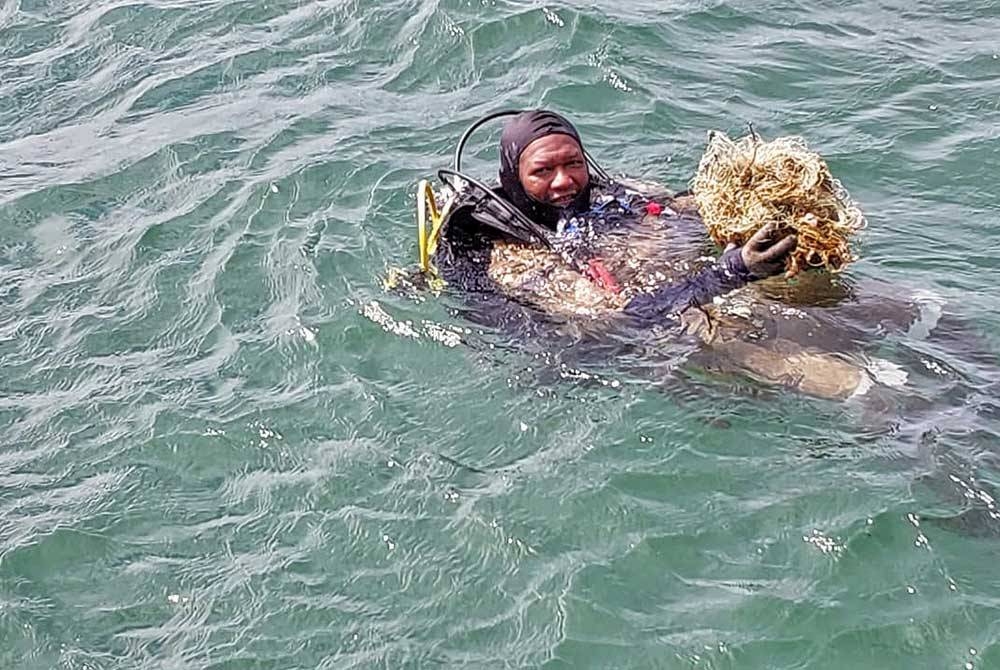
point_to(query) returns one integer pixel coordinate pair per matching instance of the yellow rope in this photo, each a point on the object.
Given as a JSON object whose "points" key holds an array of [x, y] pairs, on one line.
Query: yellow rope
{"points": [[742, 185]]}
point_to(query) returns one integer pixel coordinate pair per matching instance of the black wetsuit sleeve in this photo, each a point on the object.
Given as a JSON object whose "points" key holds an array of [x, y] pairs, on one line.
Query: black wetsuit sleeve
{"points": [[728, 273]]}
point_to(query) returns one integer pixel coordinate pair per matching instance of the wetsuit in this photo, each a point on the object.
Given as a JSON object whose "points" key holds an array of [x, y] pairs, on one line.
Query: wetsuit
{"points": [[471, 234]]}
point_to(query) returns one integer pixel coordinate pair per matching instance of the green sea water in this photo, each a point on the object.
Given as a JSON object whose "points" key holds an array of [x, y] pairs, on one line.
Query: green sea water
{"points": [[226, 445]]}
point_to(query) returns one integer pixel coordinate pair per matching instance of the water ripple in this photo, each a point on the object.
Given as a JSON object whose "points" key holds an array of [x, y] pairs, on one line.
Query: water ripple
{"points": [[228, 446]]}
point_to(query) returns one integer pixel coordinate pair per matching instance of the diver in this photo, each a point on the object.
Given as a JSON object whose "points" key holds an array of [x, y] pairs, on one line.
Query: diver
{"points": [[559, 205], [616, 256]]}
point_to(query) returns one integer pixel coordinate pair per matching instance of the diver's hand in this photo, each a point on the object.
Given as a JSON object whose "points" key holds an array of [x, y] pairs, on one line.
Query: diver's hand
{"points": [[763, 255]]}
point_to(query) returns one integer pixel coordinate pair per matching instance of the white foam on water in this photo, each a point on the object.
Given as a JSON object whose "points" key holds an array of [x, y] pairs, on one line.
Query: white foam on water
{"points": [[864, 386], [886, 372], [931, 306], [880, 371]]}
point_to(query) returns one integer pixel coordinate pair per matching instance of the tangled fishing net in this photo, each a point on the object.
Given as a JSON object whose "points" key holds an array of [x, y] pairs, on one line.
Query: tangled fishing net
{"points": [[742, 185]]}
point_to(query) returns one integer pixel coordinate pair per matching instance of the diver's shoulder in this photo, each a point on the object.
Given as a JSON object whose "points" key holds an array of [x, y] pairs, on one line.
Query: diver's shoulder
{"points": [[681, 202], [647, 188]]}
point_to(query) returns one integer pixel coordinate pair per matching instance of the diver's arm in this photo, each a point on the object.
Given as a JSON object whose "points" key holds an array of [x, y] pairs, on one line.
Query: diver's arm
{"points": [[727, 274], [762, 256]]}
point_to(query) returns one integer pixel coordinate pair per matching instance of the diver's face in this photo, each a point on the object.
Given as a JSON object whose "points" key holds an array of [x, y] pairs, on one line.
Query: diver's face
{"points": [[553, 170]]}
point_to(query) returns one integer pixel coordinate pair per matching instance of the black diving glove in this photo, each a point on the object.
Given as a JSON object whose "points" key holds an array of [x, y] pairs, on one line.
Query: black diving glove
{"points": [[764, 256]]}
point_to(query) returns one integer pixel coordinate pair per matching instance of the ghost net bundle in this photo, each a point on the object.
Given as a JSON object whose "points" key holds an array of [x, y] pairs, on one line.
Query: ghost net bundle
{"points": [[742, 185]]}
